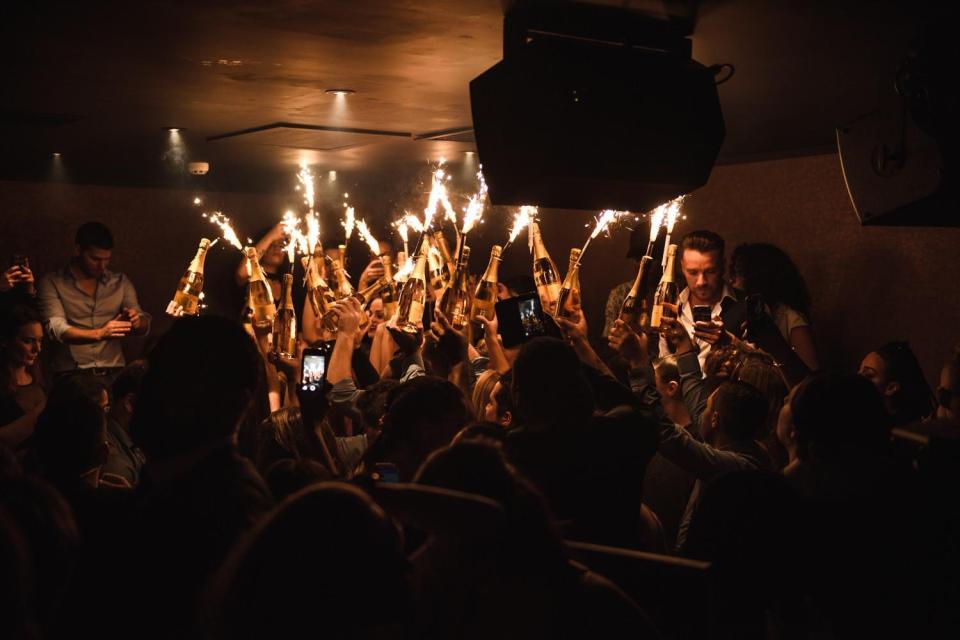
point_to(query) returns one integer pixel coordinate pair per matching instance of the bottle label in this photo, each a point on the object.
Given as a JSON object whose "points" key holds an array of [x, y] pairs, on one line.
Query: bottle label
{"points": [[656, 316]]}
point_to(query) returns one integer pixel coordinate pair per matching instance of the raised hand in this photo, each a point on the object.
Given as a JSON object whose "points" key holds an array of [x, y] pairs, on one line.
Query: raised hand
{"points": [[116, 328], [633, 346]]}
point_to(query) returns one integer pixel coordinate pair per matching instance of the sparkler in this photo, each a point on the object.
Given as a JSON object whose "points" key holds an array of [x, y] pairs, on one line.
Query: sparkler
{"points": [[223, 222], [305, 176], [672, 213], [521, 220], [404, 272], [348, 222], [367, 237], [607, 216], [296, 241], [402, 228]]}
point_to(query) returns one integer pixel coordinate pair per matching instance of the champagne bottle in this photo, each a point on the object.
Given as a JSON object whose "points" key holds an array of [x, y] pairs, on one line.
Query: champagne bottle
{"points": [[455, 303], [341, 283], [434, 268], [666, 292], [260, 296], [449, 266], [186, 299], [485, 297], [285, 322], [319, 293], [365, 296], [568, 302], [545, 273], [413, 296], [389, 292], [634, 310]]}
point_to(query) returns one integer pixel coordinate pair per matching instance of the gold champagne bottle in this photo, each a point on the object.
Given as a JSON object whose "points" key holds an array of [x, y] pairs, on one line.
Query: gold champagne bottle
{"points": [[449, 266], [455, 303], [365, 296], [568, 302], [186, 299], [635, 310], [260, 296], [413, 296], [666, 292], [285, 322], [545, 273], [319, 293], [434, 268], [485, 297], [341, 282], [389, 292]]}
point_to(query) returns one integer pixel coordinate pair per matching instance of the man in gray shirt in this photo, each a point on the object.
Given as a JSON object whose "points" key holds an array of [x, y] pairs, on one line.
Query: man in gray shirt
{"points": [[88, 308]]}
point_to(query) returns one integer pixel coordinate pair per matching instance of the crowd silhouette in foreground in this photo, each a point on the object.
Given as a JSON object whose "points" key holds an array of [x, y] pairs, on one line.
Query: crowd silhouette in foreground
{"points": [[704, 481]]}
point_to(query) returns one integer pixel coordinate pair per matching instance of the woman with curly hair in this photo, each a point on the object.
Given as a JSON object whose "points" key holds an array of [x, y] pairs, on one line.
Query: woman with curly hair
{"points": [[766, 270]]}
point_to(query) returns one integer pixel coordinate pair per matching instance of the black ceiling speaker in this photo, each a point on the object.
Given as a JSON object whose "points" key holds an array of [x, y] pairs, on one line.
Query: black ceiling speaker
{"points": [[595, 107]]}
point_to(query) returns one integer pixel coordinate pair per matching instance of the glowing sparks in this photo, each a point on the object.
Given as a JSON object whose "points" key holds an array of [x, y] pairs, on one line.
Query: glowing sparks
{"points": [[296, 241], [656, 221], [606, 217], [474, 211], [223, 222], [438, 197], [522, 220], [305, 176], [404, 272], [196, 201], [313, 232], [349, 222], [367, 237], [402, 229], [673, 212]]}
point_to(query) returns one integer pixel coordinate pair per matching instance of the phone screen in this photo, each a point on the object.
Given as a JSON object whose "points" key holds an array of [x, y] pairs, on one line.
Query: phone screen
{"points": [[521, 319], [314, 371], [701, 313]]}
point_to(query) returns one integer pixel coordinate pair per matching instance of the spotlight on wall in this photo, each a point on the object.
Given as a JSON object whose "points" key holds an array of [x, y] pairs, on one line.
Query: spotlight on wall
{"points": [[56, 154], [340, 92]]}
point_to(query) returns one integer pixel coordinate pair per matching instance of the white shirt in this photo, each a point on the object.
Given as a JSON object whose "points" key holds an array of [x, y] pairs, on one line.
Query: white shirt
{"points": [[686, 319]]}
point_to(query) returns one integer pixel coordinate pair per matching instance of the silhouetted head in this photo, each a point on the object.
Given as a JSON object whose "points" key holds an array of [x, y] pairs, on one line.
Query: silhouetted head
{"points": [[735, 411], [422, 415], [894, 371], [327, 558], [200, 380], [765, 269], [94, 248], [549, 387], [70, 440], [834, 413]]}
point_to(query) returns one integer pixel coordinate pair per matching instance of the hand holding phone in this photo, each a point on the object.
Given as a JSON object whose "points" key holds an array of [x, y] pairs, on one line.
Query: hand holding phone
{"points": [[313, 369], [523, 318]]}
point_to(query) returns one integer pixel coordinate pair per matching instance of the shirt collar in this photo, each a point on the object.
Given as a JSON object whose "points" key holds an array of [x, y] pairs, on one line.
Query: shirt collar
{"points": [[104, 279]]}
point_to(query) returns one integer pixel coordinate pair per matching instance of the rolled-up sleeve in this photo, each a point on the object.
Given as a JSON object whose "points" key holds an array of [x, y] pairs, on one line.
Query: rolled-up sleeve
{"points": [[52, 308], [130, 301]]}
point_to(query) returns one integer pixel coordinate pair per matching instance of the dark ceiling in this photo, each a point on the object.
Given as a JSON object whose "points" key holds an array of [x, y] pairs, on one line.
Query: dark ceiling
{"points": [[98, 81]]}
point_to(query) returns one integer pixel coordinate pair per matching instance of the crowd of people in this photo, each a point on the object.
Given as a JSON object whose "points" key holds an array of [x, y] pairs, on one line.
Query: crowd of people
{"points": [[440, 485]]}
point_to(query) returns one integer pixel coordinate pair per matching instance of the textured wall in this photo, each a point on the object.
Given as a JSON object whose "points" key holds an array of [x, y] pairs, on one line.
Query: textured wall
{"points": [[869, 285]]}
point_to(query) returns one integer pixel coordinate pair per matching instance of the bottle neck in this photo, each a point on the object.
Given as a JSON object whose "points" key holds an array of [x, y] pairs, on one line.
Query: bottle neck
{"points": [[197, 264], [641, 272], [287, 293], [493, 268], [539, 249], [668, 270]]}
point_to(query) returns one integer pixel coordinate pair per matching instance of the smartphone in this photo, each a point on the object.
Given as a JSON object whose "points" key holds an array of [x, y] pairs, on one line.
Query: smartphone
{"points": [[523, 318], [701, 313], [313, 371]]}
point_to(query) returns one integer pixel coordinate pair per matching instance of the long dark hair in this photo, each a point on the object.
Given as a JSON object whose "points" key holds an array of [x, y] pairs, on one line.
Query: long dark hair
{"points": [[914, 401], [767, 270], [10, 325]]}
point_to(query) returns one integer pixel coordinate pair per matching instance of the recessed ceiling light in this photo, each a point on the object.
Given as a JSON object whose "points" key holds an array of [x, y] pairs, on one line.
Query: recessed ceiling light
{"points": [[56, 154], [173, 129], [341, 92], [469, 153]]}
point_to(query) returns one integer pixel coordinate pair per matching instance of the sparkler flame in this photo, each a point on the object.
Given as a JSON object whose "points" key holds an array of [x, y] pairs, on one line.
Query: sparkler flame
{"points": [[367, 237], [223, 222], [522, 220], [606, 217], [673, 212], [474, 211], [305, 176], [404, 271], [349, 222], [402, 228], [313, 232], [414, 223], [656, 221], [296, 241], [438, 197]]}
